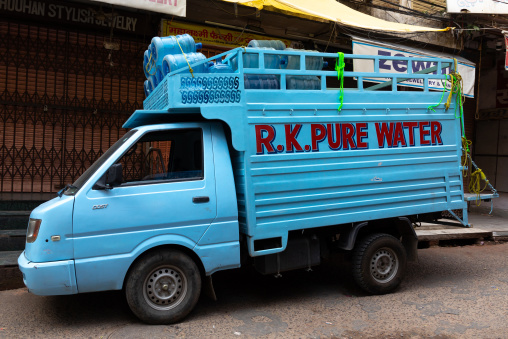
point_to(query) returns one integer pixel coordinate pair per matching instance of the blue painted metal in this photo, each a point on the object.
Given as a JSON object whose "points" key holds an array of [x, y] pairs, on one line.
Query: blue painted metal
{"points": [[464, 220], [295, 162], [141, 217], [56, 216], [48, 278], [282, 190]]}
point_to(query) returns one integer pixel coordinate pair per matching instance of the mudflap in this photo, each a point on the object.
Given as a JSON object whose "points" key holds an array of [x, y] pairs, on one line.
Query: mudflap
{"points": [[208, 288]]}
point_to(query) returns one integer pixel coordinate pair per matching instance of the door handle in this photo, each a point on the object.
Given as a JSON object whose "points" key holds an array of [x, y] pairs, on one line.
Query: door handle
{"points": [[200, 199]]}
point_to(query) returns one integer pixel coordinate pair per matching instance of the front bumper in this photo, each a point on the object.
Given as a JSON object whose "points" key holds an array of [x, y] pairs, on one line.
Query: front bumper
{"points": [[48, 278]]}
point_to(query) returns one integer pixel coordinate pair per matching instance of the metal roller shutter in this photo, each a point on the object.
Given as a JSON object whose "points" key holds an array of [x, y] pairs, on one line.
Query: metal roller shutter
{"points": [[62, 102]]}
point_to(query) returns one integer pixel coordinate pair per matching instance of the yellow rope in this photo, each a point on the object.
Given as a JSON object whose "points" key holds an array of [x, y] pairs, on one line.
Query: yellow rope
{"points": [[151, 64], [190, 68], [456, 87], [466, 163], [475, 184]]}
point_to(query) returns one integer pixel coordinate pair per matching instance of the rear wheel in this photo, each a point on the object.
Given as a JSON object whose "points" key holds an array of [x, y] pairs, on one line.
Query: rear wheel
{"points": [[379, 263], [163, 287]]}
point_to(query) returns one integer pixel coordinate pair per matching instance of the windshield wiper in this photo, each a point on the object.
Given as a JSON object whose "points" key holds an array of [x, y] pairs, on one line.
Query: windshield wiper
{"points": [[61, 192]]}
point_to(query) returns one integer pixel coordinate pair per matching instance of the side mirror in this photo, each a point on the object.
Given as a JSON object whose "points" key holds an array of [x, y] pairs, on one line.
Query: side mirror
{"points": [[112, 177]]}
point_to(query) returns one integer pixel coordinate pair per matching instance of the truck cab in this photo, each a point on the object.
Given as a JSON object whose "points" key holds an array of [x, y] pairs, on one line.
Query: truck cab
{"points": [[158, 185]]}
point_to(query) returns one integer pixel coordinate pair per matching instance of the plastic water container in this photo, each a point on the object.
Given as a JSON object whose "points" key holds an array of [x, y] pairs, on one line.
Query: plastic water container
{"points": [[219, 67], [274, 44], [159, 74], [311, 63], [171, 63], [254, 81], [251, 60], [272, 61], [149, 85], [305, 82], [146, 88], [146, 59], [169, 45], [152, 81]]}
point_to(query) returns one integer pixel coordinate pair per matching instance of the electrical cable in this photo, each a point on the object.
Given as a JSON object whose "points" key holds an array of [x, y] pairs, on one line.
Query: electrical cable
{"points": [[430, 17], [222, 9], [430, 3], [400, 6]]}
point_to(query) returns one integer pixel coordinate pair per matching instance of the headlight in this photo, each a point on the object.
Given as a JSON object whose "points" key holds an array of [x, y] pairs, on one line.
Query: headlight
{"points": [[33, 230]]}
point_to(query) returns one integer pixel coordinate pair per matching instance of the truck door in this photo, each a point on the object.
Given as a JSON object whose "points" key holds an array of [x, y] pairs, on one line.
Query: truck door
{"points": [[167, 189]]}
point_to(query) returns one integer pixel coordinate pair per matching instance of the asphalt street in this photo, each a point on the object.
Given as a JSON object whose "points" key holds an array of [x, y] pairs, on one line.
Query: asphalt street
{"points": [[452, 292]]}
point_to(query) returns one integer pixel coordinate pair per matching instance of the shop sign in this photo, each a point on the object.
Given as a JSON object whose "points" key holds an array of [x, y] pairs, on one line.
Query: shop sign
{"points": [[213, 35], [493, 114], [69, 12], [368, 47], [171, 7], [477, 6]]}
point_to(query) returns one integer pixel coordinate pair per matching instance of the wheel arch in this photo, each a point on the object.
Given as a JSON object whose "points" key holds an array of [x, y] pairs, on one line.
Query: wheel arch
{"points": [[189, 252], [401, 228]]}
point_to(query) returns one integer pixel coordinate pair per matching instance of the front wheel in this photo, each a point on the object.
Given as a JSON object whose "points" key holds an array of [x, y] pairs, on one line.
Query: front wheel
{"points": [[163, 287], [379, 262]]}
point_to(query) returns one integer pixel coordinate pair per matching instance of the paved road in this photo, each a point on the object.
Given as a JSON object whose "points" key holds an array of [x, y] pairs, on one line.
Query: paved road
{"points": [[453, 292]]}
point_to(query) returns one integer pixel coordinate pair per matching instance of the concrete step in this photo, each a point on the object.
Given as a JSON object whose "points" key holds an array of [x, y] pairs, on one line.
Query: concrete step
{"points": [[9, 258], [10, 275], [451, 234], [10, 220], [500, 235], [12, 240], [19, 204]]}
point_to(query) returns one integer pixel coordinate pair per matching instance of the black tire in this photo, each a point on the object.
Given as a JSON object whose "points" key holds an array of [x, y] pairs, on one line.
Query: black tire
{"points": [[163, 287], [379, 263]]}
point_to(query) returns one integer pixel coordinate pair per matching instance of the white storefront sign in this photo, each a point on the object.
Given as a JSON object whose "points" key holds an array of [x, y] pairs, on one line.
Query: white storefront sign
{"points": [[368, 47], [171, 7], [477, 6]]}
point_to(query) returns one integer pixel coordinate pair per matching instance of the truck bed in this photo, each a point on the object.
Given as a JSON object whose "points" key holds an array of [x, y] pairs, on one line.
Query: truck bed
{"points": [[301, 162]]}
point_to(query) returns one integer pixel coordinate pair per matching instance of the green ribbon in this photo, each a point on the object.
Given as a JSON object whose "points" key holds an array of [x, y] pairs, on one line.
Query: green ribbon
{"points": [[339, 67]]}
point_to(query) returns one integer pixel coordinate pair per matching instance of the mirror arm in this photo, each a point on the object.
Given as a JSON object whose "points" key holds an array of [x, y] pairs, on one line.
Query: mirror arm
{"points": [[101, 184]]}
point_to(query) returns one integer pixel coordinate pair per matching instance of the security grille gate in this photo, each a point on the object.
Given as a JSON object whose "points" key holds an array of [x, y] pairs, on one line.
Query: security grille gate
{"points": [[63, 100]]}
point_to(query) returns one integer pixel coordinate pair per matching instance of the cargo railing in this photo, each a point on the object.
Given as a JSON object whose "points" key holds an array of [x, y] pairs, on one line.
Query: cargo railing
{"points": [[182, 89]]}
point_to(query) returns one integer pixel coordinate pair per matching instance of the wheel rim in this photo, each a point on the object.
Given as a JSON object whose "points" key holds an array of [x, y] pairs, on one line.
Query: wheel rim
{"points": [[384, 265], [165, 287]]}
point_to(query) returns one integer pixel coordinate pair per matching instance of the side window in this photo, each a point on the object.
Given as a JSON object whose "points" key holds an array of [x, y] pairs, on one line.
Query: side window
{"points": [[173, 155]]}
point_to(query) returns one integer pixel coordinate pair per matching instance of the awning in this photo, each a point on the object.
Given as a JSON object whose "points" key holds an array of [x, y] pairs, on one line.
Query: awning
{"points": [[334, 11]]}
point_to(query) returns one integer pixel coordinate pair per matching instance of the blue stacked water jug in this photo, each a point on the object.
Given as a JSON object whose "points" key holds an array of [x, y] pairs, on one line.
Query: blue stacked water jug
{"points": [[166, 54]]}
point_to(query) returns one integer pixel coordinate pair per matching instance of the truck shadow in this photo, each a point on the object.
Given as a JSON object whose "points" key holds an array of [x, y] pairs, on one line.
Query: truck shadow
{"points": [[244, 289]]}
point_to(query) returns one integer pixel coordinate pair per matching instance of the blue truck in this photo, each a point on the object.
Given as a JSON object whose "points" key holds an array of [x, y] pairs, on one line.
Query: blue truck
{"points": [[261, 155]]}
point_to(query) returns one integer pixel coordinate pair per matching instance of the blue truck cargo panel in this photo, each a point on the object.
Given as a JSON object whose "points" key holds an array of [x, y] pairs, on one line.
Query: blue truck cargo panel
{"points": [[301, 162]]}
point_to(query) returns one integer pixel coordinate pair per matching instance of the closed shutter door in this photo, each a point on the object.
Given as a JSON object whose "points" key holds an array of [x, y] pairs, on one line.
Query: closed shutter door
{"points": [[210, 51], [63, 100]]}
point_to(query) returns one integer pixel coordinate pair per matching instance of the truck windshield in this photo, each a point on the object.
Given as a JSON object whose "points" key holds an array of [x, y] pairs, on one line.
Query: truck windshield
{"points": [[97, 164]]}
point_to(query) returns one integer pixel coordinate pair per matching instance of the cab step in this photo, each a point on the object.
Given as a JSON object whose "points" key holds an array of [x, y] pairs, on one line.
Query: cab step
{"points": [[482, 196]]}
